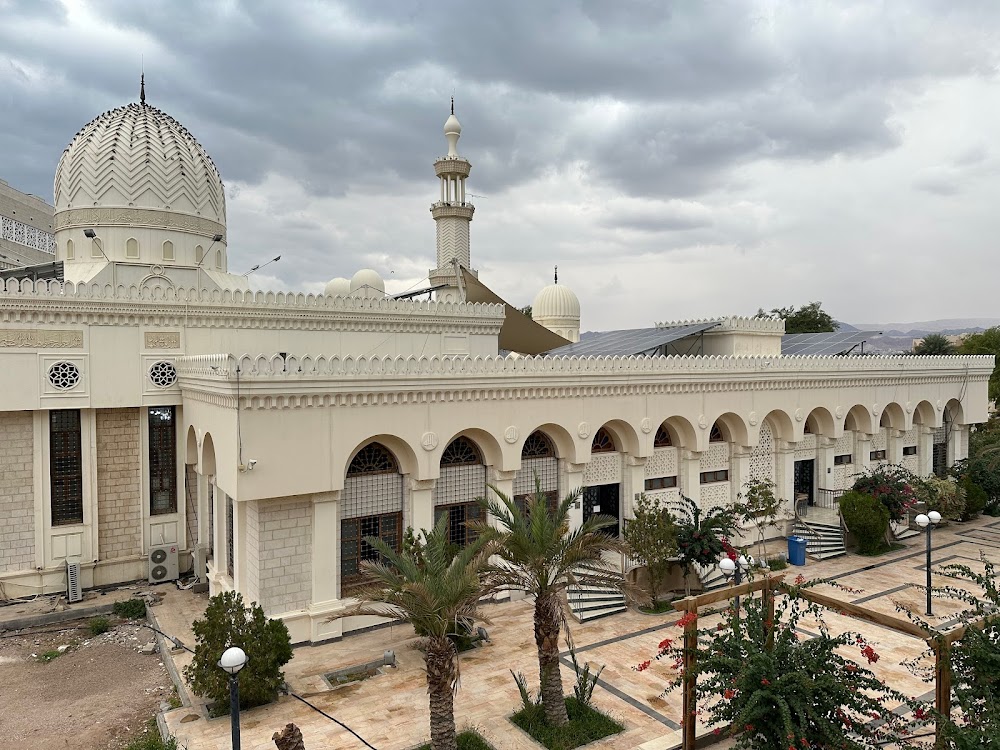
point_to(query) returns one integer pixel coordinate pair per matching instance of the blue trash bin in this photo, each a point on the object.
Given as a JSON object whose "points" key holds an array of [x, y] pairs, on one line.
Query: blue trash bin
{"points": [[796, 550]]}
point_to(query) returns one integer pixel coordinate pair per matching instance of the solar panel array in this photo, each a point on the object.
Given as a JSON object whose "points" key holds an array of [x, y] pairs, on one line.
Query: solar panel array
{"points": [[838, 342], [628, 342]]}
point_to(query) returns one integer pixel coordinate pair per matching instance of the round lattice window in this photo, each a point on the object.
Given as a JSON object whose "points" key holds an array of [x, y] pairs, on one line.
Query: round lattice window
{"points": [[64, 375], [163, 374]]}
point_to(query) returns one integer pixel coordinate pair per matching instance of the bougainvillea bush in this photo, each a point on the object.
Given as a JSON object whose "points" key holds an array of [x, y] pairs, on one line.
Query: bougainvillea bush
{"points": [[892, 485], [790, 691]]}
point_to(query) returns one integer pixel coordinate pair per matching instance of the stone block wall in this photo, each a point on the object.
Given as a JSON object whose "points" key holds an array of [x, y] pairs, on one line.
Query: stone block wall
{"points": [[119, 484], [284, 529], [17, 491]]}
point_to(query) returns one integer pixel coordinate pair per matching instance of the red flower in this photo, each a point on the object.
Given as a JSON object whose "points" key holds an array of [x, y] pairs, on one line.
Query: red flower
{"points": [[748, 728], [716, 731], [920, 713], [765, 681], [730, 694], [642, 667], [687, 619], [665, 644], [869, 653], [800, 579]]}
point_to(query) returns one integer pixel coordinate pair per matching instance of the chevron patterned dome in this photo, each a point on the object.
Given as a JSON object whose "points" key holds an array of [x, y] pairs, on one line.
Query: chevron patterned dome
{"points": [[136, 165]]}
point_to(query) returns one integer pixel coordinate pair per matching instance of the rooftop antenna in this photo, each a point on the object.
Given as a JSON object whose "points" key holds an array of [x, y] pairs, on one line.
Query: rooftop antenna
{"points": [[142, 79]]}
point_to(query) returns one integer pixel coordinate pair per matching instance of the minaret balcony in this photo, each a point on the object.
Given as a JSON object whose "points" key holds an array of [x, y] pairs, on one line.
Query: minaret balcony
{"points": [[465, 210], [452, 166]]}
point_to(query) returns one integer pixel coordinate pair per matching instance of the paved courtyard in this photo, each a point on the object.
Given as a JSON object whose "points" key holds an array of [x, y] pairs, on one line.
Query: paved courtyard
{"points": [[390, 710]]}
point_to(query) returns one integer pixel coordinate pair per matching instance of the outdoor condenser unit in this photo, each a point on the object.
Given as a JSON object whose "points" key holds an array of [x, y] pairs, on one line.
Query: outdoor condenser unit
{"points": [[163, 563]]}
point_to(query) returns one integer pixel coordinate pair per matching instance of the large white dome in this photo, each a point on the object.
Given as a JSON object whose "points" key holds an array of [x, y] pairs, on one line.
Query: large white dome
{"points": [[338, 287], [138, 166], [556, 301], [367, 283]]}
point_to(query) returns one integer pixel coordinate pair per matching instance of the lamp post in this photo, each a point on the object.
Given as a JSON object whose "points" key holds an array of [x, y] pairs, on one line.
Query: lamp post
{"points": [[730, 569], [928, 522], [233, 660]]}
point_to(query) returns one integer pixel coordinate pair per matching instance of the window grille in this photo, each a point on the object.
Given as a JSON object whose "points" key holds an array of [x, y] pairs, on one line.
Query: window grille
{"points": [[163, 374], [65, 467], [843, 459], [461, 482], [459, 516], [603, 442], [162, 461], [372, 507], [230, 568], [716, 436], [662, 438], [877, 455], [603, 500], [538, 445], [64, 375], [909, 450], [461, 451]]}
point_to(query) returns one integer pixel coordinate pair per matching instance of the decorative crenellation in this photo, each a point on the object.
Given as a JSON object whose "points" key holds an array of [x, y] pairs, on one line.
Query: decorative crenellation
{"points": [[732, 323], [975, 367]]}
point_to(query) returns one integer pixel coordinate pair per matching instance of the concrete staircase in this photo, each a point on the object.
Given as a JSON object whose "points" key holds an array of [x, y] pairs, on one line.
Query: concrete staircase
{"points": [[711, 577], [824, 539], [903, 530], [591, 602]]}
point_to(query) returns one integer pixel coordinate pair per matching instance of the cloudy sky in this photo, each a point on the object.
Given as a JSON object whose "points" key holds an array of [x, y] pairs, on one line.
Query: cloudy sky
{"points": [[675, 160]]}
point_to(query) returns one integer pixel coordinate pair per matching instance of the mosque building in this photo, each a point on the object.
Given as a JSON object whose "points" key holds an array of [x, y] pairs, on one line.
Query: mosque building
{"points": [[158, 418]]}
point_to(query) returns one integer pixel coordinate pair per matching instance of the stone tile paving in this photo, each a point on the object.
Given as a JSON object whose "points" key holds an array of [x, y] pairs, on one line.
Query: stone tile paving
{"points": [[390, 710]]}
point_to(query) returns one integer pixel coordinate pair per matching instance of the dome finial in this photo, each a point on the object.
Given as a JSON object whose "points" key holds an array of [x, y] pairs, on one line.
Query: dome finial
{"points": [[453, 105], [142, 88], [556, 275]]}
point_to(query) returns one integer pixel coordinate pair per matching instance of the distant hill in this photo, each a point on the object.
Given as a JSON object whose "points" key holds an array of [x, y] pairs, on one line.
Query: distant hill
{"points": [[898, 337]]}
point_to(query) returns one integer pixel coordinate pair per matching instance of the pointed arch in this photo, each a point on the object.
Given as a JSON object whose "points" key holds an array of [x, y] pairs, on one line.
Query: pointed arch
{"points": [[487, 445], [954, 412], [822, 422], [191, 446], [625, 437], [208, 455], [603, 442], [682, 432], [561, 438], [402, 452], [893, 416], [926, 415], [782, 426], [732, 427], [859, 418]]}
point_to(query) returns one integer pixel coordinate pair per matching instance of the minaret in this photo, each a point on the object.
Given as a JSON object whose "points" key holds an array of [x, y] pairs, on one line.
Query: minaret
{"points": [[452, 213]]}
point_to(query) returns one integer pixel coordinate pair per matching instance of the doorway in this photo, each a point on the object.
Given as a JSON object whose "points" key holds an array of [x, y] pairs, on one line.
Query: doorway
{"points": [[602, 499], [805, 477]]}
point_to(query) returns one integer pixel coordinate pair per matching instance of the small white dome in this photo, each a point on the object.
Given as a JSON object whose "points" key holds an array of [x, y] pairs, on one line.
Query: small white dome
{"points": [[367, 283], [338, 287], [452, 125], [555, 301]]}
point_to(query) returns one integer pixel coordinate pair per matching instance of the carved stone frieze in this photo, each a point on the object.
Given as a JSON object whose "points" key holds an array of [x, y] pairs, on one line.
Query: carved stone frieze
{"points": [[36, 338], [138, 217], [163, 339]]}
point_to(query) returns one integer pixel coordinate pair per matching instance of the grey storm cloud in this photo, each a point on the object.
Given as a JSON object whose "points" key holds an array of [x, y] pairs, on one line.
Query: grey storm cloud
{"points": [[668, 103]]}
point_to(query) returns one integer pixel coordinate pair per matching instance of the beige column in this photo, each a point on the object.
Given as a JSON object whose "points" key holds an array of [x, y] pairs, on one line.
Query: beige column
{"points": [[633, 484], [689, 474], [925, 450], [503, 481], [958, 447], [894, 445], [325, 547], [862, 452], [825, 450], [739, 470], [784, 473], [572, 479], [422, 504]]}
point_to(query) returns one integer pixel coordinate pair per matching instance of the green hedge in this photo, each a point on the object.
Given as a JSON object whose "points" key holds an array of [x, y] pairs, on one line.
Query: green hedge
{"points": [[866, 518]]}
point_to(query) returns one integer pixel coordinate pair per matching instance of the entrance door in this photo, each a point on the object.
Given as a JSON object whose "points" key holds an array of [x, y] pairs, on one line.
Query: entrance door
{"points": [[602, 499], [805, 472]]}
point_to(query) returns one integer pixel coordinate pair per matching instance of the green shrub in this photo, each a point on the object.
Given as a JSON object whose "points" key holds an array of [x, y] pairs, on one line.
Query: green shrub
{"points": [[48, 656], [470, 739], [586, 725], [130, 609], [777, 563], [229, 622], [867, 519], [892, 485], [975, 499], [150, 740], [99, 625], [945, 496]]}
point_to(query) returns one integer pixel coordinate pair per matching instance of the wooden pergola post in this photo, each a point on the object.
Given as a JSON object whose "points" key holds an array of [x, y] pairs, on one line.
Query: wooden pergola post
{"points": [[690, 701], [942, 685]]}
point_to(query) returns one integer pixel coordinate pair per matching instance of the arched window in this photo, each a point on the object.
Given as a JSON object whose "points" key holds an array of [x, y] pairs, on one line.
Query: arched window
{"points": [[218, 259], [461, 483], [538, 464], [372, 506], [199, 254], [460, 452], [70, 250], [96, 249], [716, 436], [538, 445], [168, 250], [132, 248], [662, 438], [603, 442]]}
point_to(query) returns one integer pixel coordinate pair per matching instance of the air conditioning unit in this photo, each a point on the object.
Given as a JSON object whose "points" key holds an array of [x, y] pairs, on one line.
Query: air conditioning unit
{"points": [[163, 563], [74, 591]]}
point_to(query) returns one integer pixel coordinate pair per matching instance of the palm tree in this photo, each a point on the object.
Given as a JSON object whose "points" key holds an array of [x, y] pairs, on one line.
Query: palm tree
{"points": [[539, 555], [437, 589], [935, 343]]}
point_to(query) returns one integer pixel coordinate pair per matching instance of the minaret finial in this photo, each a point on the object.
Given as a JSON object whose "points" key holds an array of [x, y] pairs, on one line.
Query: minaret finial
{"points": [[556, 275], [453, 105], [142, 88]]}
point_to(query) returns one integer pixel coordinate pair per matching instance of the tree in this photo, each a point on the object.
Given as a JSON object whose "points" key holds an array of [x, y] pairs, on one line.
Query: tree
{"points": [[433, 590], [757, 504], [651, 537], [229, 622], [773, 689], [934, 343], [809, 318], [701, 537], [540, 556], [985, 342], [526, 310]]}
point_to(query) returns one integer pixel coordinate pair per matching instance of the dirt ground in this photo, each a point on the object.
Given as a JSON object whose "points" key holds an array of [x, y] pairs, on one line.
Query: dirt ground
{"points": [[100, 691]]}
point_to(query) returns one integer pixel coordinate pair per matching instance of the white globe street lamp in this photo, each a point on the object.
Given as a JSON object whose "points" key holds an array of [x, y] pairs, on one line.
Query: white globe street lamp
{"points": [[232, 661], [928, 522]]}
